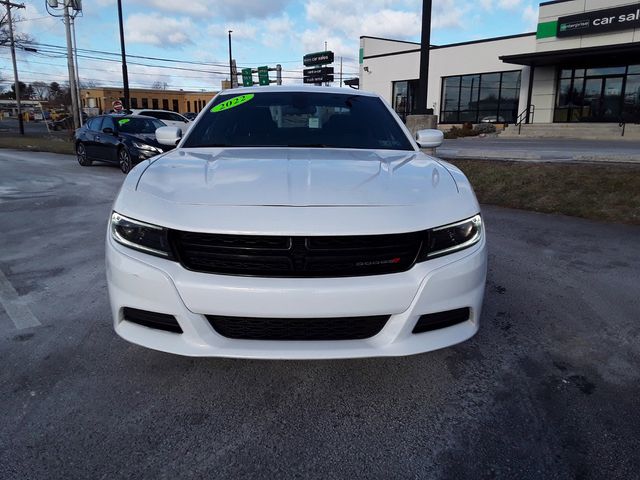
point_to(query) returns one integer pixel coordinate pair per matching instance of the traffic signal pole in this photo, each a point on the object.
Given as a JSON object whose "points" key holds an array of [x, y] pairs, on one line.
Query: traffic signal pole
{"points": [[125, 73], [425, 46]]}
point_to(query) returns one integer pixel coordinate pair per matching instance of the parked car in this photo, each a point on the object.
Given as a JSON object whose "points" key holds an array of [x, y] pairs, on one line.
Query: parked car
{"points": [[492, 119], [171, 119], [190, 116], [122, 139], [296, 222]]}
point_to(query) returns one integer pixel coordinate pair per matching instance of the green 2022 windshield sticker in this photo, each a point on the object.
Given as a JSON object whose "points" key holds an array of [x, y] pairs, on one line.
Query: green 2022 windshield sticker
{"points": [[232, 103], [123, 121]]}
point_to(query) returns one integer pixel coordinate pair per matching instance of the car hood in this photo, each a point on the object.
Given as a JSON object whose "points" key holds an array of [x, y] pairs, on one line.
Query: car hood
{"points": [[297, 177]]}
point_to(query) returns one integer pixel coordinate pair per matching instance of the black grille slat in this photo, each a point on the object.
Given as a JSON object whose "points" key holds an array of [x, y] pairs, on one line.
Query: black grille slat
{"points": [[159, 321], [436, 321], [301, 329], [297, 257]]}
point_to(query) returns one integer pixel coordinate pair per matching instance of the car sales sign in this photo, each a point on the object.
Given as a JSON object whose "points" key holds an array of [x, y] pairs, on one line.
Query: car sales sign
{"points": [[600, 21], [317, 59]]}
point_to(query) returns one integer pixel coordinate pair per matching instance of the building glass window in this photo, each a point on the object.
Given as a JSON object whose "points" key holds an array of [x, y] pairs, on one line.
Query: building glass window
{"points": [[486, 97], [188, 106], [155, 103], [134, 102], [165, 104], [176, 107], [598, 94], [404, 97], [145, 103]]}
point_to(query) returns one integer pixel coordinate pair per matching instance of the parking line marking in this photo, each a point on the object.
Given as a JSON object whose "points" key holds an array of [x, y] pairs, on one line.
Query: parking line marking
{"points": [[19, 313]]}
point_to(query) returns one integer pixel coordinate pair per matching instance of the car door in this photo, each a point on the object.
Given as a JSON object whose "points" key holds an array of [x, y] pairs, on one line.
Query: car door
{"points": [[178, 121], [89, 138], [107, 142]]}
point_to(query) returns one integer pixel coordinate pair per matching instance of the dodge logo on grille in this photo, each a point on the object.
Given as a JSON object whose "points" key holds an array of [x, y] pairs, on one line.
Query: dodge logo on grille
{"points": [[377, 262]]}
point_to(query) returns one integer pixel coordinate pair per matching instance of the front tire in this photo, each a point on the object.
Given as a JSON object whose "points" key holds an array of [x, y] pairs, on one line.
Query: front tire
{"points": [[81, 153], [124, 160]]}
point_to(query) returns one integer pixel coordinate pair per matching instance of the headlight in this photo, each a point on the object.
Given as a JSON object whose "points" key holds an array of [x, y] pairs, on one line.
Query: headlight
{"points": [[451, 238], [140, 236], [144, 146]]}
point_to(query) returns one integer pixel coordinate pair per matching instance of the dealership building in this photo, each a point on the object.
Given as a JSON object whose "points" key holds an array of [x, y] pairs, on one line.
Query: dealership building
{"points": [[581, 65]]}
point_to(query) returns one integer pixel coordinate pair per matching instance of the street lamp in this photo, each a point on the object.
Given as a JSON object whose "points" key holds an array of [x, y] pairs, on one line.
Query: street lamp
{"points": [[230, 62]]}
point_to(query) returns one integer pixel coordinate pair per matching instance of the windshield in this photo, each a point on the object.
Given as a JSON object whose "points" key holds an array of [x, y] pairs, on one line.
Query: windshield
{"points": [[298, 119], [139, 125]]}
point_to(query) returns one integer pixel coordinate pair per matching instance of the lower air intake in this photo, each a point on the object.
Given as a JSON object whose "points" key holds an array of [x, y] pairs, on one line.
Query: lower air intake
{"points": [[159, 321], [436, 321], [346, 328]]}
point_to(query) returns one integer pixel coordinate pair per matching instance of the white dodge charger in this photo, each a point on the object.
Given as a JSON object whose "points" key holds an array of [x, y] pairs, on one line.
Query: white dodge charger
{"points": [[296, 223]]}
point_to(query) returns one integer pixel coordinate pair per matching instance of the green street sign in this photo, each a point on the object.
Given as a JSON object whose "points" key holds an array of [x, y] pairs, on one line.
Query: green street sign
{"points": [[263, 76], [247, 77]]}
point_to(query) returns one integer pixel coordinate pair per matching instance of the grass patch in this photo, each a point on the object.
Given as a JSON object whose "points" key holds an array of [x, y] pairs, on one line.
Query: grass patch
{"points": [[54, 144], [599, 192]]}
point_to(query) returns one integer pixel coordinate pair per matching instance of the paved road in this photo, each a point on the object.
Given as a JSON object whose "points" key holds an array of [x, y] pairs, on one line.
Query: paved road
{"points": [[542, 149], [549, 388]]}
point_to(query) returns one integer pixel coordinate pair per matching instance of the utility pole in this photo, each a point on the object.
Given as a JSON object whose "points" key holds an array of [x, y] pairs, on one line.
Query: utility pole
{"points": [[425, 45], [16, 80], [230, 62], [71, 67], [125, 73], [75, 64], [340, 72], [72, 62]]}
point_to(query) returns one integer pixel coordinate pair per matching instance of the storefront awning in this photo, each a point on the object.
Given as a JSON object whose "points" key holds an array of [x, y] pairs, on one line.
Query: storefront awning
{"points": [[623, 54]]}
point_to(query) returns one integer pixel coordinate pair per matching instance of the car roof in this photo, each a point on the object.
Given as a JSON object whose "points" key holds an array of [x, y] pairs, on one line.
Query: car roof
{"points": [[152, 110], [130, 115], [299, 88]]}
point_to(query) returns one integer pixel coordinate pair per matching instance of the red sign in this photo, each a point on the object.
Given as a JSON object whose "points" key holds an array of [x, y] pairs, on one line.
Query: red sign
{"points": [[117, 106]]}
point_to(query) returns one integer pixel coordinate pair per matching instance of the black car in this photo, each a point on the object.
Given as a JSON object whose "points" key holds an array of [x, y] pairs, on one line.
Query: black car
{"points": [[123, 139]]}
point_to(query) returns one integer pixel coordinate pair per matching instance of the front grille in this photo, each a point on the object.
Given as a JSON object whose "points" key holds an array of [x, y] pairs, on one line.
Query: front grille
{"points": [[160, 321], [347, 328], [283, 256]]}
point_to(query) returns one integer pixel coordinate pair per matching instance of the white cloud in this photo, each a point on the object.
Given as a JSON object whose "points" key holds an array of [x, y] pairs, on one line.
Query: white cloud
{"points": [[234, 10], [32, 21], [530, 15], [156, 29], [383, 17], [278, 31], [509, 4]]}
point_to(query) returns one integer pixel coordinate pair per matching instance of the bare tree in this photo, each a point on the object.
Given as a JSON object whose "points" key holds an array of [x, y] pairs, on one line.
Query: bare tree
{"points": [[41, 91], [19, 37], [158, 85]]}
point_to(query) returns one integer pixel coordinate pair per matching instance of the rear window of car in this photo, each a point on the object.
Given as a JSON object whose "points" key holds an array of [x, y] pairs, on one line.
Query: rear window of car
{"points": [[298, 119], [94, 123], [139, 125]]}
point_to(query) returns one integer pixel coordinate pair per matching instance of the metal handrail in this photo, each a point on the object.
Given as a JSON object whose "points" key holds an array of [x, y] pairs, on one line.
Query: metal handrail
{"points": [[522, 117], [623, 126]]}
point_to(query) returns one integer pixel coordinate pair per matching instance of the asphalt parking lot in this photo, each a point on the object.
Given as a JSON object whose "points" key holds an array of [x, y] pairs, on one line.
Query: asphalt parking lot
{"points": [[549, 388]]}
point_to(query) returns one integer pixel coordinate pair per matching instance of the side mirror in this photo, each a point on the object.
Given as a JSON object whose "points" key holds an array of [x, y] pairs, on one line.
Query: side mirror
{"points": [[431, 138], [108, 130], [169, 135]]}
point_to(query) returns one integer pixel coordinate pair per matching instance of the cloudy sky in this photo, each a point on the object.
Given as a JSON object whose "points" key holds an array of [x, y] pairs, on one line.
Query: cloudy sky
{"points": [[265, 32]]}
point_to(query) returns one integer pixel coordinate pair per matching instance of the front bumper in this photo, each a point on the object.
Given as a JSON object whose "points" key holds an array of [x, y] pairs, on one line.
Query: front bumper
{"points": [[144, 282]]}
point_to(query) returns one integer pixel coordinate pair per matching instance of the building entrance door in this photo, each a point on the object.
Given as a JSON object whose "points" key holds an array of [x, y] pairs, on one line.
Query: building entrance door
{"points": [[602, 100]]}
